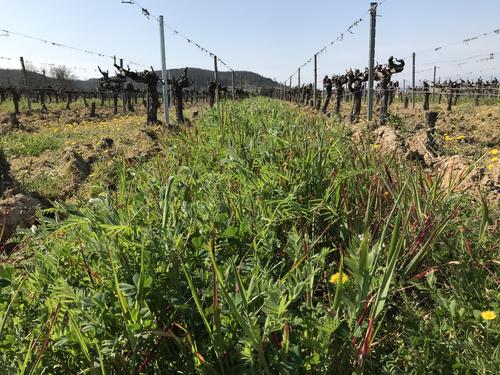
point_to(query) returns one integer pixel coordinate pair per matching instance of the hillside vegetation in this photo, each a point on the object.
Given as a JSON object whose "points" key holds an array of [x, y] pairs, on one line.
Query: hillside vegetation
{"points": [[200, 77]]}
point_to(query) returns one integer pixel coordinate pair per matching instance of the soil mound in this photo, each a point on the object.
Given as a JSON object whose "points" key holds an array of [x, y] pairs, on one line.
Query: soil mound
{"points": [[17, 209], [388, 140]]}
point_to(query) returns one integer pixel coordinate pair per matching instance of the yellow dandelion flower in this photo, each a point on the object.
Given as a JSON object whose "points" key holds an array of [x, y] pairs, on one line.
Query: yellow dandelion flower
{"points": [[488, 315], [375, 146], [490, 167], [494, 152], [335, 278], [494, 159], [457, 138]]}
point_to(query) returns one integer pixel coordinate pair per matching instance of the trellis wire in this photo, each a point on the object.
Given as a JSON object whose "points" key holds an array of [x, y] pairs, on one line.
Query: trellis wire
{"points": [[61, 45], [148, 14]]}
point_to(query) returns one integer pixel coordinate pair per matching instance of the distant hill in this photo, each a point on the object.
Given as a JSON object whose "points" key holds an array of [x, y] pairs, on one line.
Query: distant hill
{"points": [[250, 80], [200, 77]]}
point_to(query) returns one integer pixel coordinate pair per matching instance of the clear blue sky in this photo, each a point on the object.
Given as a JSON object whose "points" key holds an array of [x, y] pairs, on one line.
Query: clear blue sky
{"points": [[271, 37]]}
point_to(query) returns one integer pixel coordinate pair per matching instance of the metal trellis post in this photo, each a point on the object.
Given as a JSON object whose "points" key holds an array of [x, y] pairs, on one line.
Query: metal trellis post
{"points": [[164, 72], [371, 58]]}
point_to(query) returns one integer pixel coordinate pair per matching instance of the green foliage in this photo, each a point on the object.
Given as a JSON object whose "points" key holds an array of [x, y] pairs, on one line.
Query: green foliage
{"points": [[22, 144], [8, 106], [215, 257]]}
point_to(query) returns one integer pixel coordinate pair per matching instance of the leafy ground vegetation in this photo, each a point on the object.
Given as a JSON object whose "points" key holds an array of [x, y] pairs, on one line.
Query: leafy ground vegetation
{"points": [[262, 240]]}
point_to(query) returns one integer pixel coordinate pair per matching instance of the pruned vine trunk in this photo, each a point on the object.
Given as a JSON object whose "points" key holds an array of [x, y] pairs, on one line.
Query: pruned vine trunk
{"points": [[92, 110]]}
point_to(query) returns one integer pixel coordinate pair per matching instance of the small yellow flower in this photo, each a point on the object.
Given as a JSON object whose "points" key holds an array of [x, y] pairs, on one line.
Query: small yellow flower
{"points": [[490, 167], [375, 146], [335, 278], [494, 159], [457, 138], [494, 152], [488, 315]]}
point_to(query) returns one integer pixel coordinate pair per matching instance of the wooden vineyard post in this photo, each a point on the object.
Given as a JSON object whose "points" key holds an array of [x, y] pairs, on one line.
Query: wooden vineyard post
{"points": [[299, 92], [371, 58], [124, 99], [413, 82], [434, 84], [42, 93], [450, 95], [315, 80], [25, 82], [13, 121], [489, 90], [403, 93], [216, 80], [68, 100], [404, 86], [405, 101], [291, 94], [92, 110], [232, 84]]}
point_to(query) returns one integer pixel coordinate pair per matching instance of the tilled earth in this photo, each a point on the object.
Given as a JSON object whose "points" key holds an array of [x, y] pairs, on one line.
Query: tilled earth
{"points": [[466, 152], [65, 155]]}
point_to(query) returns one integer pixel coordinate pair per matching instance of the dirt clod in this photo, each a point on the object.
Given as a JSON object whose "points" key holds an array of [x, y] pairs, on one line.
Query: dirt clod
{"points": [[5, 179], [106, 144], [77, 166], [419, 150], [17, 211], [387, 138], [457, 173]]}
